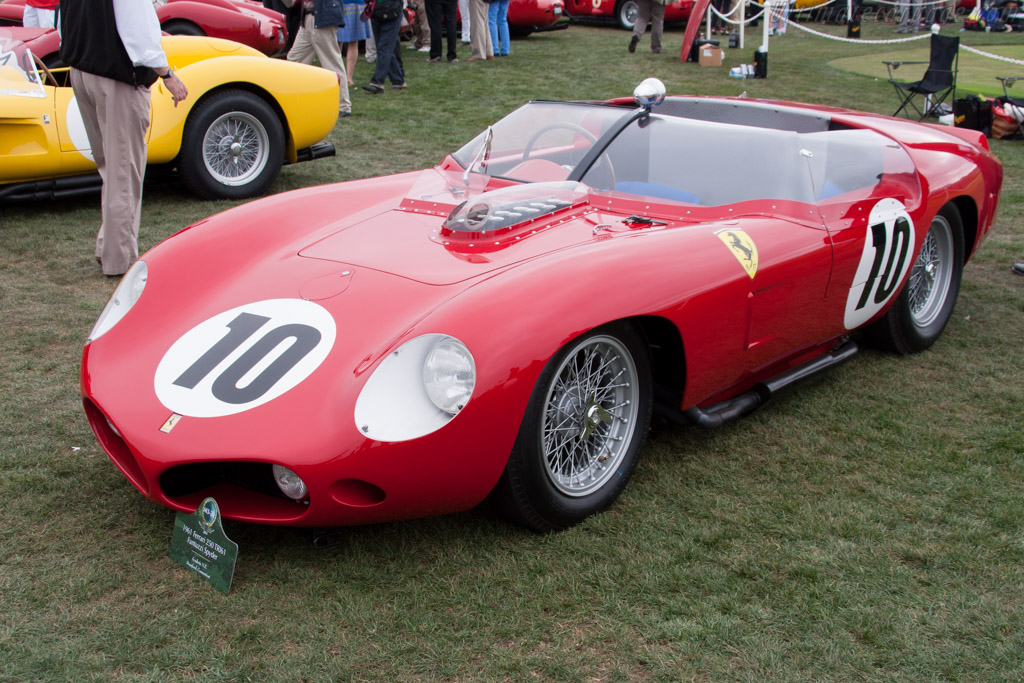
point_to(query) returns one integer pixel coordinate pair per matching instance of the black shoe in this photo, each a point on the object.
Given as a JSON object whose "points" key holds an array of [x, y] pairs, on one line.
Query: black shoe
{"points": [[344, 114], [373, 88], [632, 43], [1018, 268]]}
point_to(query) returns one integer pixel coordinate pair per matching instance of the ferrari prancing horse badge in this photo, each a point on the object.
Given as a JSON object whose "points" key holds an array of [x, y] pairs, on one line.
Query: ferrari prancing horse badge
{"points": [[742, 247]]}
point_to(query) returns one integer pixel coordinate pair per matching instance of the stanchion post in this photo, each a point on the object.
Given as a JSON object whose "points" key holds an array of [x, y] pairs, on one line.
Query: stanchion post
{"points": [[743, 21]]}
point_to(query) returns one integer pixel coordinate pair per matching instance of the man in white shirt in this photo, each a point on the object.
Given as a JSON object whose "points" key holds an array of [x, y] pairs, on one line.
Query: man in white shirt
{"points": [[113, 49]]}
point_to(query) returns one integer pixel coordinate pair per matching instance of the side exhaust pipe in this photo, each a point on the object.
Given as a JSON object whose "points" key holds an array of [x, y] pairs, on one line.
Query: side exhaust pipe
{"points": [[718, 414]]}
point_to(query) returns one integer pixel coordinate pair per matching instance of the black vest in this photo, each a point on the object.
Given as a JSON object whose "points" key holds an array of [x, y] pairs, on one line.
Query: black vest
{"points": [[90, 42]]}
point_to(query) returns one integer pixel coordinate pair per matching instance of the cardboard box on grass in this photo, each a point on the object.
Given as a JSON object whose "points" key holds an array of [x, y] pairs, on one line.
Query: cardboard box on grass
{"points": [[711, 55]]}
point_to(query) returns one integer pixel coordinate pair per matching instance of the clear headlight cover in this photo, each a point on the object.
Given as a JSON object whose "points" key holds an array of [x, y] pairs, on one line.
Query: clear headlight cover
{"points": [[449, 375], [127, 293], [289, 482], [417, 389]]}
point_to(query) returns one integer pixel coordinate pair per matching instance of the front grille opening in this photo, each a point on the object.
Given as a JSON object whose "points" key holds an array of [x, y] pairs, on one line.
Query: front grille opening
{"points": [[184, 480]]}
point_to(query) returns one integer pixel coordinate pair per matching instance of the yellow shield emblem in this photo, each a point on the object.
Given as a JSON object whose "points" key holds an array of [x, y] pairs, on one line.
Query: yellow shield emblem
{"points": [[742, 247]]}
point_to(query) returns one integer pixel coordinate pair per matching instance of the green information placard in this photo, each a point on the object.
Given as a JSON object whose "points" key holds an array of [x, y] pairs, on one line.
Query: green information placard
{"points": [[200, 545]]}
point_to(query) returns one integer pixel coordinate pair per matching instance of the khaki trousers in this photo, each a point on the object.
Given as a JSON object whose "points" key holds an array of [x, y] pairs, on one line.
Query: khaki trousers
{"points": [[323, 43], [479, 31], [116, 116]]}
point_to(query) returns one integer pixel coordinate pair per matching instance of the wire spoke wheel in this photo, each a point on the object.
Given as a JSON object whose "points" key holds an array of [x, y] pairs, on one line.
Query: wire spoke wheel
{"points": [[235, 148], [232, 147], [932, 273], [590, 414], [583, 430]]}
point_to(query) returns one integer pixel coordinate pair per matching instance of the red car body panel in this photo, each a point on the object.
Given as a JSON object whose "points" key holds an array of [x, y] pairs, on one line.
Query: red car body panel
{"points": [[525, 16], [677, 11], [244, 21], [386, 272]]}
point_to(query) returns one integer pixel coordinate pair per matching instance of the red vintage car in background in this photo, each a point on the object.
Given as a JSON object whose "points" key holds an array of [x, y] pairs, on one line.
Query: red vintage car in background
{"points": [[623, 12], [504, 324], [244, 21], [528, 16]]}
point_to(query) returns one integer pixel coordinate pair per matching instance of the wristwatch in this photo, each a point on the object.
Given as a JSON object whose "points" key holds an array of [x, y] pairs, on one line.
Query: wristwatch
{"points": [[170, 72]]}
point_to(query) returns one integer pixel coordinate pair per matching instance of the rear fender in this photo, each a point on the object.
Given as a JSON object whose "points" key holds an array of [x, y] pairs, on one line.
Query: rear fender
{"points": [[305, 97]]}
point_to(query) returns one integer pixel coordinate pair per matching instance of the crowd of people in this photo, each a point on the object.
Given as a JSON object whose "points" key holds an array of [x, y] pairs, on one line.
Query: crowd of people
{"points": [[331, 32]]}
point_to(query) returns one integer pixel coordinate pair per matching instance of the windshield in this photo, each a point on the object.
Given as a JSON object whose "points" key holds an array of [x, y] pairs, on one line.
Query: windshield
{"points": [[540, 141], [679, 159], [19, 74]]}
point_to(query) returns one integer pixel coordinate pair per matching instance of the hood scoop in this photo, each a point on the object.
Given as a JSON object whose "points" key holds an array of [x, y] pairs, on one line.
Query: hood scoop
{"points": [[506, 215]]}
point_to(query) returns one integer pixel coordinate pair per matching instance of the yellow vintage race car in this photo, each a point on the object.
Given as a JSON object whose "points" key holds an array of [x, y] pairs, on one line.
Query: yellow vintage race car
{"points": [[246, 115]]}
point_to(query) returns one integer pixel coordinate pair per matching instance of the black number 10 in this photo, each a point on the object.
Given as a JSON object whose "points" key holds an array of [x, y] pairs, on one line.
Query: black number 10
{"points": [[888, 277], [244, 326]]}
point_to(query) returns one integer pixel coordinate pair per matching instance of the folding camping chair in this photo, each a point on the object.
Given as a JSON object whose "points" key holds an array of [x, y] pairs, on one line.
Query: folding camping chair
{"points": [[938, 84], [1018, 102]]}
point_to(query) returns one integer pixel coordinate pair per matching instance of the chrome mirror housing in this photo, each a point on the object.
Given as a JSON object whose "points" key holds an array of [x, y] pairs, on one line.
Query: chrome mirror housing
{"points": [[650, 93]]}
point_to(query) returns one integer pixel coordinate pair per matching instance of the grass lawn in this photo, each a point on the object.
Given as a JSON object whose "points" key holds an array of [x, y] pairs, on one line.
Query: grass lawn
{"points": [[867, 525], [977, 74]]}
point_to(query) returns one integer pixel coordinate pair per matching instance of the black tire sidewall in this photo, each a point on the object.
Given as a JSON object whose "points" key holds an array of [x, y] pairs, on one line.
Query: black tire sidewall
{"points": [[182, 27], [619, 14], [904, 335], [538, 504], [193, 170]]}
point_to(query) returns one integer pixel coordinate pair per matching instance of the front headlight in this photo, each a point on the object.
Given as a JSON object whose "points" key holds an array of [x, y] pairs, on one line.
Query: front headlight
{"points": [[289, 482], [125, 296], [417, 389], [449, 375]]}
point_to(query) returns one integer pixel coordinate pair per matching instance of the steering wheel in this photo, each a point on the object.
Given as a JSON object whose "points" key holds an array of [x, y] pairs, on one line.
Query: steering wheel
{"points": [[45, 69], [554, 126]]}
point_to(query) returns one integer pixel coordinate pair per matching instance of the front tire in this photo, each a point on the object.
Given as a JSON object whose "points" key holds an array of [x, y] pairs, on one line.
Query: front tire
{"points": [[924, 307], [232, 147], [583, 431]]}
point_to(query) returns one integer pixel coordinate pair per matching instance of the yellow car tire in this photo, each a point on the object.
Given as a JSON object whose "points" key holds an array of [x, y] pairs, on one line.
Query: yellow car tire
{"points": [[233, 146]]}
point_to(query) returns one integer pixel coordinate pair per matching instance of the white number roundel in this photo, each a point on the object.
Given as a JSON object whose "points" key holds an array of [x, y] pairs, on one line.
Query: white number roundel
{"points": [[887, 254], [244, 357]]}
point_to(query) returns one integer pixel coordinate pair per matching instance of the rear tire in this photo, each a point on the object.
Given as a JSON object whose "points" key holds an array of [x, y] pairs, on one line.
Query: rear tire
{"points": [[583, 431], [232, 147], [924, 307], [626, 12]]}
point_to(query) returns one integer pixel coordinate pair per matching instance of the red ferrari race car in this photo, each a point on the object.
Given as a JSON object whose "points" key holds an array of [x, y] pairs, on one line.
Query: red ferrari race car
{"points": [[243, 21], [623, 12], [505, 323]]}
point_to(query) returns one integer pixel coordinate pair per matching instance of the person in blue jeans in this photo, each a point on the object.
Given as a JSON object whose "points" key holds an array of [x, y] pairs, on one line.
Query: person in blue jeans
{"points": [[497, 20]]}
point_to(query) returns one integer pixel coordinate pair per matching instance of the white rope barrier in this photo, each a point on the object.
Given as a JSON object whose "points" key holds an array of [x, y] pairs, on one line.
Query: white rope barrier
{"points": [[859, 41], [726, 19], [990, 55], [740, 6]]}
